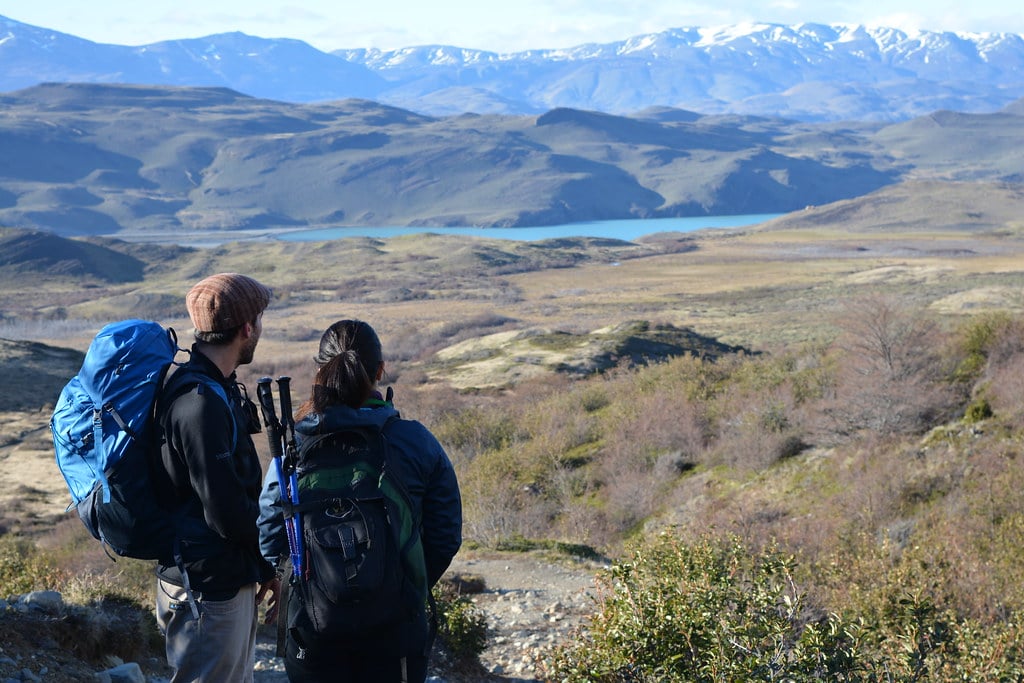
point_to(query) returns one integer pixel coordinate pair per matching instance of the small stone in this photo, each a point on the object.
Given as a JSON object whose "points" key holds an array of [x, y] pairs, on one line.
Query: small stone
{"points": [[126, 673], [50, 602]]}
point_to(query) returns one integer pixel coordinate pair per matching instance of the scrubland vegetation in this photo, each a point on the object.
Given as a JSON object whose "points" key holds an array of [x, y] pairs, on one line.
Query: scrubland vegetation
{"points": [[843, 502], [841, 511], [844, 512]]}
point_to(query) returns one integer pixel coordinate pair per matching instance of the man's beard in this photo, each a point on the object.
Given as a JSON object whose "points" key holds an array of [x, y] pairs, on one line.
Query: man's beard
{"points": [[245, 355]]}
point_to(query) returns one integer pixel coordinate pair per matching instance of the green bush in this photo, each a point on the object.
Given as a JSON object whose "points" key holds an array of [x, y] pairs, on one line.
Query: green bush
{"points": [[976, 339], [704, 612], [477, 430], [978, 411], [462, 628], [521, 544], [712, 612], [23, 569]]}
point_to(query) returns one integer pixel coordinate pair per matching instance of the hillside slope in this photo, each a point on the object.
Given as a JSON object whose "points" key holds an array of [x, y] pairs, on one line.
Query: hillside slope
{"points": [[33, 374], [101, 159]]}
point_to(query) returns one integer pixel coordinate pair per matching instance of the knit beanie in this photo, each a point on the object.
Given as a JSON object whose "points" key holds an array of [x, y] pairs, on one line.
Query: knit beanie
{"points": [[225, 301]]}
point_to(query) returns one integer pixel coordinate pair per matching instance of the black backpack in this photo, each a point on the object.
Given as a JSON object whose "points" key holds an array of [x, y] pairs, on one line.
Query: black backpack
{"points": [[364, 568]]}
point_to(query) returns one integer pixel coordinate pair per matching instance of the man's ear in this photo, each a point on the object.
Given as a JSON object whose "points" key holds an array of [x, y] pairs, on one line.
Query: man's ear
{"points": [[380, 372]]}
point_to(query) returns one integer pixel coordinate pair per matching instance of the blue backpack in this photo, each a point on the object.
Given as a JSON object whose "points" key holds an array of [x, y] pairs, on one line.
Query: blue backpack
{"points": [[105, 441]]}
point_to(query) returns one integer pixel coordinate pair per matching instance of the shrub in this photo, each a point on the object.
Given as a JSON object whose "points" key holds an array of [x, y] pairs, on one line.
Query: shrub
{"points": [[477, 430], [102, 613], [462, 627], [593, 398], [978, 411], [713, 611], [1007, 394], [890, 375], [709, 611], [519, 544], [913, 639], [985, 340], [24, 569], [129, 581]]}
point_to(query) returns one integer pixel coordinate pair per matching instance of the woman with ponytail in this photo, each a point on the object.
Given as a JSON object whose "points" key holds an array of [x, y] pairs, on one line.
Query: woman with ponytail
{"points": [[344, 395]]}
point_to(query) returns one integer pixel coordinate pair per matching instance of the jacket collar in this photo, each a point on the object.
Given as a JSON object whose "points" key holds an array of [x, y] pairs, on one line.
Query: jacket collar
{"points": [[341, 417], [201, 362]]}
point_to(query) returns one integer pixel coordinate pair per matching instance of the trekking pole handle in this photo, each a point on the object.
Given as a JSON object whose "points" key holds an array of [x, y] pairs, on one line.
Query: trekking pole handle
{"points": [[265, 394], [284, 386]]}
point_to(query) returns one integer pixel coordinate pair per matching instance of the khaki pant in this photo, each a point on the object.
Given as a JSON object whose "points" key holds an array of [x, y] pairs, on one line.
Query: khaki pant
{"points": [[219, 647]]}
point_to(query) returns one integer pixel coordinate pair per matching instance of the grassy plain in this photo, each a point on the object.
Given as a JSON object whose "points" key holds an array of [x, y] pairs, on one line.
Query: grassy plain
{"points": [[779, 283]]}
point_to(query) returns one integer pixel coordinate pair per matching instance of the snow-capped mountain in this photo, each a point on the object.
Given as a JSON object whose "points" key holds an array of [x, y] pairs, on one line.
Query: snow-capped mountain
{"points": [[810, 71], [807, 71]]}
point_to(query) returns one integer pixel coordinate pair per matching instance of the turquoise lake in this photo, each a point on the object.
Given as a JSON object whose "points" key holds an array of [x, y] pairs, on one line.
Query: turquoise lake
{"points": [[620, 229]]}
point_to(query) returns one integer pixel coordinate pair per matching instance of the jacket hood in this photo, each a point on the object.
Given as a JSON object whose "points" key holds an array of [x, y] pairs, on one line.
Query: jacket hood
{"points": [[341, 417]]}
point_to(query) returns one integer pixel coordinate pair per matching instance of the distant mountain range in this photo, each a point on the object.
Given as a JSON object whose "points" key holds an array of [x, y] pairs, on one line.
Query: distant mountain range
{"points": [[808, 72]]}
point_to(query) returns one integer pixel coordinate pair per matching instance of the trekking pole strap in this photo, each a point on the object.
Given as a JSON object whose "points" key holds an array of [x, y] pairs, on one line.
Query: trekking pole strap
{"points": [[179, 560], [282, 613], [289, 517]]}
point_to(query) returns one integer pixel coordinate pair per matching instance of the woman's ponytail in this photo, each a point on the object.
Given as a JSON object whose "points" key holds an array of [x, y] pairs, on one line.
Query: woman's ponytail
{"points": [[348, 359]]}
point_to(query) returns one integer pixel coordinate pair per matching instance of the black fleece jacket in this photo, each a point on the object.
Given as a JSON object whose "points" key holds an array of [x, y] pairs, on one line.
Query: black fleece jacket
{"points": [[210, 474]]}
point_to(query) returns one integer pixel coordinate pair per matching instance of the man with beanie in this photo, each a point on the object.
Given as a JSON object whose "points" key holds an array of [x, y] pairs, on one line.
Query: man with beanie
{"points": [[209, 478]]}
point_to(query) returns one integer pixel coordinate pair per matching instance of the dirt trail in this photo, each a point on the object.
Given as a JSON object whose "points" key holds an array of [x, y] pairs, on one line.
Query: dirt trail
{"points": [[531, 602]]}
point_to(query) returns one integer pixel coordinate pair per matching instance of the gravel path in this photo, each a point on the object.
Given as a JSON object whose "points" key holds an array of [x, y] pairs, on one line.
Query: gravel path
{"points": [[531, 604]]}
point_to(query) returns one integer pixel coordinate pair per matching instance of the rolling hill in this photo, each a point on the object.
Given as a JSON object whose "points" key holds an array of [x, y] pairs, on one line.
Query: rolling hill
{"points": [[80, 159]]}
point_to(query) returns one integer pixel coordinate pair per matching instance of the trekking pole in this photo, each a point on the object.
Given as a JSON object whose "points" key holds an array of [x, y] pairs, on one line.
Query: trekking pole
{"points": [[265, 395], [275, 437], [291, 457], [284, 384]]}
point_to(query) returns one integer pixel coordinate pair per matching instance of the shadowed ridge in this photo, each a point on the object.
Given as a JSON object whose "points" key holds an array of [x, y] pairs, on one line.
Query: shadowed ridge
{"points": [[34, 373], [33, 253]]}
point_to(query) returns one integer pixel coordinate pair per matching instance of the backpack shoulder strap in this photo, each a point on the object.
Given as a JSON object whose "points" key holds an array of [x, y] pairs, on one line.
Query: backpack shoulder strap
{"points": [[180, 380], [395, 481]]}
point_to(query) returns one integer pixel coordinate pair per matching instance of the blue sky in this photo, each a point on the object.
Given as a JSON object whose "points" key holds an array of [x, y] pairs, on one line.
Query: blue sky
{"points": [[505, 26]]}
